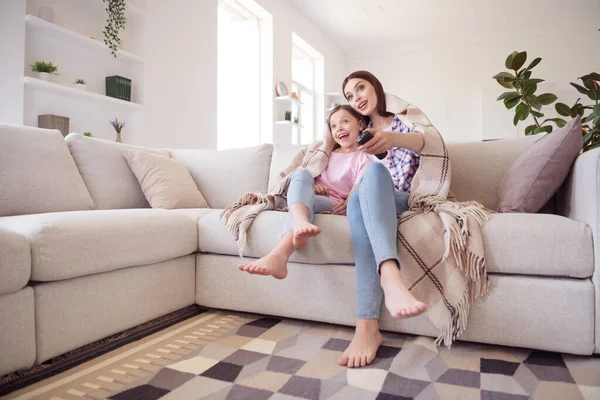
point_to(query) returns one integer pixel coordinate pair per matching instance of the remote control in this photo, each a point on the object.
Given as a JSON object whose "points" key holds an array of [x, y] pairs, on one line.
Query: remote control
{"points": [[364, 137]]}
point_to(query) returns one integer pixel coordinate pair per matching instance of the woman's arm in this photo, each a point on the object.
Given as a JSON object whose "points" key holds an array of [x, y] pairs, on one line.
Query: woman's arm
{"points": [[382, 141]]}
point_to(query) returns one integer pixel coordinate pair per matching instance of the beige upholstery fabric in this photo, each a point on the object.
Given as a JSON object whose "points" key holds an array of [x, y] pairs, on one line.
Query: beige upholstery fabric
{"points": [[224, 176], [195, 213], [17, 331], [282, 155], [37, 173], [15, 261], [333, 245], [75, 312], [527, 244], [166, 183], [327, 293], [478, 168], [578, 199], [538, 244], [67, 245], [106, 173]]}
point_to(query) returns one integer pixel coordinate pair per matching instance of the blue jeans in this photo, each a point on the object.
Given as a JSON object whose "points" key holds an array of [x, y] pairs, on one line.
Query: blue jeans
{"points": [[302, 190], [372, 211]]}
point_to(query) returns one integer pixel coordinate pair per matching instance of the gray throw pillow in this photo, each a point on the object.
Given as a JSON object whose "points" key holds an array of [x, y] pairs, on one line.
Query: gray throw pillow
{"points": [[538, 173]]}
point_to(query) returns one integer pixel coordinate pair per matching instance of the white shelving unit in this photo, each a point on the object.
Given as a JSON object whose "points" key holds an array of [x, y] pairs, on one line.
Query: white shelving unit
{"points": [[331, 99], [74, 42]]}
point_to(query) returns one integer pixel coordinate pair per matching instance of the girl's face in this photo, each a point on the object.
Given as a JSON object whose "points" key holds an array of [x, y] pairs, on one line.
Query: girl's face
{"points": [[361, 96], [345, 129]]}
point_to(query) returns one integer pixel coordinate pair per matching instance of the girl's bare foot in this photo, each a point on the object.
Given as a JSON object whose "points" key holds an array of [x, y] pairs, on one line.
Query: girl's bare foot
{"points": [[364, 345], [398, 299], [274, 263], [301, 226]]}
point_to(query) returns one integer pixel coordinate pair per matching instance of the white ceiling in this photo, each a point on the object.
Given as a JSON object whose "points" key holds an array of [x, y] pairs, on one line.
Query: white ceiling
{"points": [[356, 24]]}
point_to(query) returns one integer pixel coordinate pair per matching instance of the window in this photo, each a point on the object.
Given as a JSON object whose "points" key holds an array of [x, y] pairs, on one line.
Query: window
{"points": [[244, 32], [307, 82]]}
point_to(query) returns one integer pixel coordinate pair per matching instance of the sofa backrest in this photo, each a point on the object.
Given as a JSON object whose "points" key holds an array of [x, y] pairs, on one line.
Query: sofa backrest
{"points": [[282, 155], [106, 173], [37, 173], [224, 176]]}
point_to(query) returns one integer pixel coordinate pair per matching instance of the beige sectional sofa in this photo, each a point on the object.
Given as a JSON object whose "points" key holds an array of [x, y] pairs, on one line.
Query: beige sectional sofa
{"points": [[82, 256]]}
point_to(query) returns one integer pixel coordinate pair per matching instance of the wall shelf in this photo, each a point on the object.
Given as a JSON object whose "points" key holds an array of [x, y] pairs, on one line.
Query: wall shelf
{"points": [[69, 36], [38, 84], [288, 123]]}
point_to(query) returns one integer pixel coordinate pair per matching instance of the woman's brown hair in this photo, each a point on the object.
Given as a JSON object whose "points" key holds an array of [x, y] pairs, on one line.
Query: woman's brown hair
{"points": [[369, 77], [359, 117]]}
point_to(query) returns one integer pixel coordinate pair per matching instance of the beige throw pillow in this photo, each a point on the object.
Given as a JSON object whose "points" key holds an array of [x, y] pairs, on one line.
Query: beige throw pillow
{"points": [[166, 183], [538, 173]]}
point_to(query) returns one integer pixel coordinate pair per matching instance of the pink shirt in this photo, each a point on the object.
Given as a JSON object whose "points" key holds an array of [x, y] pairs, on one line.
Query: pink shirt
{"points": [[342, 172]]}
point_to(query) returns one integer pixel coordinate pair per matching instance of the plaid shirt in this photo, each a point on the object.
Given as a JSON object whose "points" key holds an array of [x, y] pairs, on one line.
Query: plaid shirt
{"points": [[402, 163]]}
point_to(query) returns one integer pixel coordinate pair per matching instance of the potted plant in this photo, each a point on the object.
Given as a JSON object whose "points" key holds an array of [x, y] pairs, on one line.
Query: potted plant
{"points": [[80, 84], [44, 69], [288, 115], [88, 134], [118, 126]]}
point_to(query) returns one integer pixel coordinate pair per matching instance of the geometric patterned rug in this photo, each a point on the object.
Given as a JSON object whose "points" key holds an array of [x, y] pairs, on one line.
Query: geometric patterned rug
{"points": [[229, 356]]}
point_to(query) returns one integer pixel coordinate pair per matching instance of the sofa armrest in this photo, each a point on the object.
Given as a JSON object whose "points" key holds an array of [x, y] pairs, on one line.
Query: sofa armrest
{"points": [[579, 199], [15, 261]]}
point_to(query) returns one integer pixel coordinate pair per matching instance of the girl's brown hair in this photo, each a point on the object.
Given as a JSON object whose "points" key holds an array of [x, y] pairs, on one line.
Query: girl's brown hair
{"points": [[369, 77], [359, 117]]}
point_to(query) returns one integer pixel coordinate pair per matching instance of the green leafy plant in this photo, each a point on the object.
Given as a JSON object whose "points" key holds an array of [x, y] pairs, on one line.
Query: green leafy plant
{"points": [[115, 22], [288, 115], [80, 81], [43, 66], [88, 134], [526, 102]]}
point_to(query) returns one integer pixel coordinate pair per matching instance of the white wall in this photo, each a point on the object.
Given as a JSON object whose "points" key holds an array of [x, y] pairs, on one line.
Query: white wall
{"points": [[12, 47], [180, 91], [450, 79]]}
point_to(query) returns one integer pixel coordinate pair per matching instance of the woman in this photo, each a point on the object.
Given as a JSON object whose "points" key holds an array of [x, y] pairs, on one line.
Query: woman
{"points": [[381, 195]]}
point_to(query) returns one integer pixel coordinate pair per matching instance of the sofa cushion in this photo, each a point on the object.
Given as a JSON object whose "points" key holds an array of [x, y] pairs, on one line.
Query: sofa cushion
{"points": [[538, 173], [37, 173], [71, 244], [195, 213], [15, 261], [478, 167], [282, 156], [524, 244], [166, 183], [106, 173], [224, 176]]}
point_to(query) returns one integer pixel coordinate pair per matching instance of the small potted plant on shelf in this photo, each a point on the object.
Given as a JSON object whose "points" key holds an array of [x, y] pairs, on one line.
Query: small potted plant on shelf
{"points": [[288, 115], [44, 69], [88, 134], [118, 126], [80, 84]]}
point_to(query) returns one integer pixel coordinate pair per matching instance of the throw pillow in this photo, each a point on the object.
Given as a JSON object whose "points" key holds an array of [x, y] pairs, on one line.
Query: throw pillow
{"points": [[165, 182], [538, 173]]}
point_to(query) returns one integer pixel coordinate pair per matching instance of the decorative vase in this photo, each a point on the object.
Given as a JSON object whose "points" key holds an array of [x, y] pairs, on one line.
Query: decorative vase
{"points": [[81, 86], [118, 139], [44, 76], [46, 13]]}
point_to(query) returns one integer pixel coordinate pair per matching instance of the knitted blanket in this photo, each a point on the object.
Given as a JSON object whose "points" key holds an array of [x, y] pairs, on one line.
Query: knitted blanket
{"points": [[439, 240]]}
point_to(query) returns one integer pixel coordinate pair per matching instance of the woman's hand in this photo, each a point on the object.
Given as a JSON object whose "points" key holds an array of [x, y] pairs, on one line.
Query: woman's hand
{"points": [[339, 208], [321, 190], [380, 143]]}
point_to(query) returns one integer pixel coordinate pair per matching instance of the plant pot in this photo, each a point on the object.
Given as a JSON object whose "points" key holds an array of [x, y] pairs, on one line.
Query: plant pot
{"points": [[44, 76], [80, 86], [118, 139]]}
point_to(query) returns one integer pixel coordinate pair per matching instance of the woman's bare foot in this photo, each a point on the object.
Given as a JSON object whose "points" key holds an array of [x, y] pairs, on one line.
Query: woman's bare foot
{"points": [[364, 345], [274, 263], [301, 226], [398, 299]]}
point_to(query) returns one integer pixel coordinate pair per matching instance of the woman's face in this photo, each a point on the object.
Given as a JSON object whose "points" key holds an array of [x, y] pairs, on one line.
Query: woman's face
{"points": [[345, 128], [361, 96]]}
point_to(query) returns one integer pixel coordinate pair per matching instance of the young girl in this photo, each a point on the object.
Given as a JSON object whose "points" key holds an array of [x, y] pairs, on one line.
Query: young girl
{"points": [[329, 193]]}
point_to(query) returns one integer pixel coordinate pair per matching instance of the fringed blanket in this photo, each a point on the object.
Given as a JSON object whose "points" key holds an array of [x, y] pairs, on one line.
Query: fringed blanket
{"points": [[439, 240]]}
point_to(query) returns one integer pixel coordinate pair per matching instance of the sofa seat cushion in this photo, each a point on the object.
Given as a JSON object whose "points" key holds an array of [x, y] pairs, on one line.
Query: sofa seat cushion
{"points": [[521, 244], [194, 213], [71, 244], [15, 261], [331, 246]]}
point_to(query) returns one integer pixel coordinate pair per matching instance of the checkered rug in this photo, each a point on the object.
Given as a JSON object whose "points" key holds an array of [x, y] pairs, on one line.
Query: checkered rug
{"points": [[223, 356]]}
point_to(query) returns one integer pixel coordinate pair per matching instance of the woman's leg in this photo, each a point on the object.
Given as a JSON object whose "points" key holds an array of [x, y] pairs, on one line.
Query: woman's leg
{"points": [[302, 205]]}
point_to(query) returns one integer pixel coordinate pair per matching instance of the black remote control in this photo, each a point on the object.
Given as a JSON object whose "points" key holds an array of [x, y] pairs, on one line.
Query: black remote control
{"points": [[364, 137]]}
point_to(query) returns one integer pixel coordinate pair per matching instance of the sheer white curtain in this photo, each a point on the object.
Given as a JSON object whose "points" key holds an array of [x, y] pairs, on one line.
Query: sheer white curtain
{"points": [[238, 79]]}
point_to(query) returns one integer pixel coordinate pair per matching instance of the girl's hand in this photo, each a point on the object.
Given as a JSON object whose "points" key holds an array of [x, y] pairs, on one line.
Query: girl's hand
{"points": [[321, 190], [380, 143], [339, 208]]}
